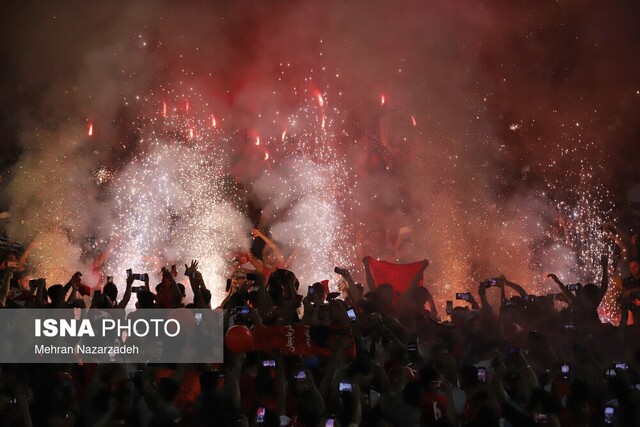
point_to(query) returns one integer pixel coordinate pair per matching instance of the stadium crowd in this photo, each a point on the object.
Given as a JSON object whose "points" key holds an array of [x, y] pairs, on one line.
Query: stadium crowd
{"points": [[373, 357]]}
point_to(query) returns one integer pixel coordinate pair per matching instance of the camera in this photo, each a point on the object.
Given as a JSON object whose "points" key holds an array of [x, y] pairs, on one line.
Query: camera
{"points": [[449, 307], [345, 387], [260, 413], [489, 283], [609, 412], [540, 418], [482, 375], [465, 296], [574, 287], [412, 347], [269, 363], [564, 369]]}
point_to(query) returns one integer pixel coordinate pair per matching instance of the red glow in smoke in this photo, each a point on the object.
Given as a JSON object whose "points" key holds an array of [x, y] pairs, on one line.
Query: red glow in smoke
{"points": [[382, 99], [90, 132], [214, 122]]}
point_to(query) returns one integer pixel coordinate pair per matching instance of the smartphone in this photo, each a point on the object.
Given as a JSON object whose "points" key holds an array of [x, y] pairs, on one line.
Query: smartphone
{"points": [[412, 347], [228, 286], [97, 293], [540, 418], [198, 317], [330, 422], [609, 412], [564, 369], [252, 276], [129, 273], [463, 296], [570, 327], [449, 307], [345, 387], [33, 284], [260, 413], [482, 375], [351, 313], [573, 287], [310, 291], [609, 373], [622, 366], [143, 277], [489, 283], [301, 375], [269, 363], [244, 310], [136, 289]]}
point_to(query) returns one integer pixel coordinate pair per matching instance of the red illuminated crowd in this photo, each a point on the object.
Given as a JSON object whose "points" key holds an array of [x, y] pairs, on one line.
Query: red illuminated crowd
{"points": [[372, 355]]}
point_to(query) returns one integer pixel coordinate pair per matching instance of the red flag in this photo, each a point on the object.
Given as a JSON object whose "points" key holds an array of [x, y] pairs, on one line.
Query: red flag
{"points": [[399, 276]]}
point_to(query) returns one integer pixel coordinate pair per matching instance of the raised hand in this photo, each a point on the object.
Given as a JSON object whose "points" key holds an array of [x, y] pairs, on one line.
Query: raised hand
{"points": [[189, 270]]}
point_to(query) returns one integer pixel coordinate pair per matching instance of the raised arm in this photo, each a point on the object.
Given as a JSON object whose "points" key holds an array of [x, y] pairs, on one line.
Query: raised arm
{"points": [[352, 289], [604, 285], [482, 293], [191, 271], [371, 284], [563, 288], [173, 286], [276, 250], [25, 255], [127, 294], [418, 278], [519, 289]]}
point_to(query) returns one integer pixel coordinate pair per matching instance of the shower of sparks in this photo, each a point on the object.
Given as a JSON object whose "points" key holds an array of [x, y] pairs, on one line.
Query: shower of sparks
{"points": [[103, 175], [172, 206], [581, 227]]}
